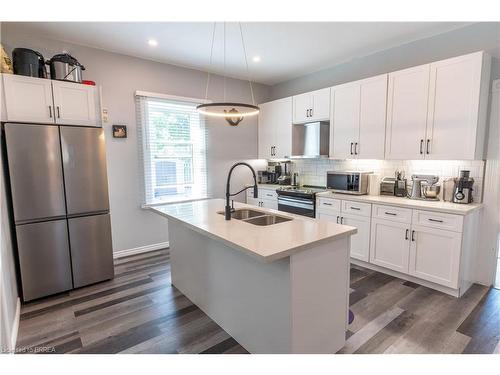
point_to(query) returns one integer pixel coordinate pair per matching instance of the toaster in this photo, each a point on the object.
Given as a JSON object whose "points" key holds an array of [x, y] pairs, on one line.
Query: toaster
{"points": [[387, 186]]}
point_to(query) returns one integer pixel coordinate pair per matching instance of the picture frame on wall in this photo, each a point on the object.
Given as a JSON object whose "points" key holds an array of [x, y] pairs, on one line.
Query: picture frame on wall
{"points": [[119, 131]]}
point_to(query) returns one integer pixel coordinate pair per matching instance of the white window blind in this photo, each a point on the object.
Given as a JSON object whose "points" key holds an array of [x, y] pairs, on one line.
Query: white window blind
{"points": [[172, 142]]}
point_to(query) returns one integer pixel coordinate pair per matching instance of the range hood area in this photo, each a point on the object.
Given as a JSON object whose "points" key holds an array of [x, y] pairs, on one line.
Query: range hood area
{"points": [[311, 140]]}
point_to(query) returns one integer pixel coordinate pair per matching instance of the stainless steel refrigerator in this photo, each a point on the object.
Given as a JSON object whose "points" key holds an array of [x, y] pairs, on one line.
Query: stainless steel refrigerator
{"points": [[60, 207]]}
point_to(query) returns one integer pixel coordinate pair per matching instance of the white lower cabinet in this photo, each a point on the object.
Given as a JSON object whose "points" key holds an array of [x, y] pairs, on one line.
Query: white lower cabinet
{"points": [[390, 244], [360, 242], [253, 201], [268, 203], [435, 255], [268, 198]]}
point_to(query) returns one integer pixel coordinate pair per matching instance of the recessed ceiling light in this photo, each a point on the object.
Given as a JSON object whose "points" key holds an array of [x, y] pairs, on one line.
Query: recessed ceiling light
{"points": [[256, 59], [152, 42]]}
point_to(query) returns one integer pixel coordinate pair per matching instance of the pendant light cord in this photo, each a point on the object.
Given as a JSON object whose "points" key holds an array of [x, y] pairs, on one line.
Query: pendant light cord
{"points": [[224, 61], [210, 61], [246, 63]]}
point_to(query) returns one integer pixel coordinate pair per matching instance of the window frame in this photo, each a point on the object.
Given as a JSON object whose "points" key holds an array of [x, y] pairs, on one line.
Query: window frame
{"points": [[144, 147]]}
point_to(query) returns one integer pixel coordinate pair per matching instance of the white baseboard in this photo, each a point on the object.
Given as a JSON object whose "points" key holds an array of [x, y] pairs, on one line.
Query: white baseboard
{"points": [[140, 250], [15, 326]]}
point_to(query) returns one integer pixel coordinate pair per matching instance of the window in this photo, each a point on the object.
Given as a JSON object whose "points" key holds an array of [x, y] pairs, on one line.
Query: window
{"points": [[172, 141]]}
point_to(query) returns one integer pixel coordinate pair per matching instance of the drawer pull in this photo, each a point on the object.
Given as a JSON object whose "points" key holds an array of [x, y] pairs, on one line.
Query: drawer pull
{"points": [[436, 220], [327, 204], [269, 195], [355, 208], [391, 213]]}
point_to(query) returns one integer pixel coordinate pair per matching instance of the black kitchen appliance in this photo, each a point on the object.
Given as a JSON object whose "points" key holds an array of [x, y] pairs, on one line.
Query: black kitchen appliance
{"points": [[28, 63], [285, 178], [463, 188], [64, 67], [299, 200], [273, 173]]}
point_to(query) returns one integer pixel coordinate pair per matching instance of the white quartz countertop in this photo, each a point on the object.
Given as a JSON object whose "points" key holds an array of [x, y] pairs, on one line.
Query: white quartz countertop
{"points": [[267, 243], [439, 206]]}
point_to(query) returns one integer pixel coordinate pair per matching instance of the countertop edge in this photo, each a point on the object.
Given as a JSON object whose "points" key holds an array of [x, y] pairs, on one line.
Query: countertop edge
{"points": [[265, 259], [367, 199]]}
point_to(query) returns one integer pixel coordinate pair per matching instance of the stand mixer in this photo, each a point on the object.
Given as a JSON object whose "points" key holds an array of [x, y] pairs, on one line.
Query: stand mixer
{"points": [[424, 187]]}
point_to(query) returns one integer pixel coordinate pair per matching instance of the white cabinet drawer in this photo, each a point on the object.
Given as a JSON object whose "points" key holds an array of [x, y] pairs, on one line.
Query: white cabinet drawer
{"points": [[399, 214], [356, 208], [328, 204], [438, 220], [267, 194]]}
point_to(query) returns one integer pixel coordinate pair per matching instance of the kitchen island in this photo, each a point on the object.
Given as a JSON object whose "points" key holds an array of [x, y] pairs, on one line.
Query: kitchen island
{"points": [[279, 288]]}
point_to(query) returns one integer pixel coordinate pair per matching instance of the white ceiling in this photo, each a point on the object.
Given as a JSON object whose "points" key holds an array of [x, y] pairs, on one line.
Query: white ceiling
{"points": [[287, 50]]}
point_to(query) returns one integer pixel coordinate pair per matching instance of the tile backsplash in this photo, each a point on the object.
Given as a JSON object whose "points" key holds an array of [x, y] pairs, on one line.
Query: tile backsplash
{"points": [[313, 171]]}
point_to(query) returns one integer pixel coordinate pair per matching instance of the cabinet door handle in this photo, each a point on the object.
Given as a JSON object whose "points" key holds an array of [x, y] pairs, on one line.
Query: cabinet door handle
{"points": [[351, 147], [427, 147], [338, 219], [50, 111], [421, 146], [307, 113], [311, 112], [356, 148], [390, 213], [413, 235], [436, 220], [355, 208], [341, 220], [58, 112], [406, 234]]}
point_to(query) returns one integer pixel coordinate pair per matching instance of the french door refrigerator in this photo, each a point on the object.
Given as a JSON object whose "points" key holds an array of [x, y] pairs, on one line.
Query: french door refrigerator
{"points": [[59, 192]]}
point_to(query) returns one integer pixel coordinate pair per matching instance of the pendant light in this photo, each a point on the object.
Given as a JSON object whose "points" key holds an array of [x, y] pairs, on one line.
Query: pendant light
{"points": [[233, 113]]}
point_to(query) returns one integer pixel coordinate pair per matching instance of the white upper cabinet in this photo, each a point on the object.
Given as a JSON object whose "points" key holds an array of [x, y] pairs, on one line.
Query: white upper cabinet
{"points": [[344, 125], [27, 99], [275, 129], [358, 119], [75, 103], [407, 113], [438, 111], [454, 126], [372, 118], [45, 101], [266, 130], [311, 106]]}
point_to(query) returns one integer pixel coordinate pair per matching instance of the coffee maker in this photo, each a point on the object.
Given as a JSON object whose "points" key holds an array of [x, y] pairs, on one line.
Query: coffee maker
{"points": [[462, 193], [273, 172]]}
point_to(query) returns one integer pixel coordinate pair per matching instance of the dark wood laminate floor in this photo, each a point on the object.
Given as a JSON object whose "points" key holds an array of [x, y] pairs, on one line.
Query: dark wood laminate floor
{"points": [[140, 312]]}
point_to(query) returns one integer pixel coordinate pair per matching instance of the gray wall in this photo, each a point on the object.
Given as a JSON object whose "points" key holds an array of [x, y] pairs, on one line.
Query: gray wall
{"points": [[120, 76], [480, 36]]}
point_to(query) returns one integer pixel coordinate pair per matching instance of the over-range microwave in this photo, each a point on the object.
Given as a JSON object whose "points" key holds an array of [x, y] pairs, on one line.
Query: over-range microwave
{"points": [[348, 182]]}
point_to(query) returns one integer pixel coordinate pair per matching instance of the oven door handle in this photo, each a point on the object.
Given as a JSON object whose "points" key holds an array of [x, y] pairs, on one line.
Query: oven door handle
{"points": [[296, 203]]}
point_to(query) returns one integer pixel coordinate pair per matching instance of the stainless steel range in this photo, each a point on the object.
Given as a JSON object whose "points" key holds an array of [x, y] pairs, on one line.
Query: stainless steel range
{"points": [[299, 200]]}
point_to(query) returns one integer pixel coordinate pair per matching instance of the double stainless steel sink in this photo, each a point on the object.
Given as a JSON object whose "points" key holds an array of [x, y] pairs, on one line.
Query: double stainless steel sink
{"points": [[257, 217]]}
